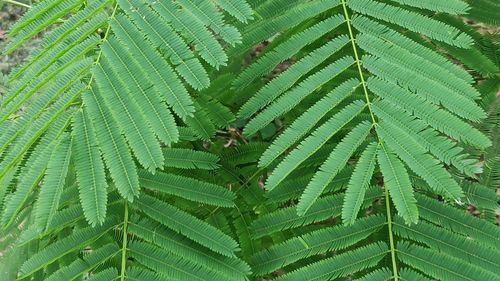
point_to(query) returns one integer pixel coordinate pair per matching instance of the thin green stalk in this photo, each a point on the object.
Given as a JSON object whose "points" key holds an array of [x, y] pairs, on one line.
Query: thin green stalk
{"points": [[358, 61], [13, 2], [374, 121], [391, 238], [124, 243], [106, 34]]}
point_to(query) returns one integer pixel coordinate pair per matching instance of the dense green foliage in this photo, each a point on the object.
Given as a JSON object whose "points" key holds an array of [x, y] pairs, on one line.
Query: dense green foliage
{"points": [[252, 140]]}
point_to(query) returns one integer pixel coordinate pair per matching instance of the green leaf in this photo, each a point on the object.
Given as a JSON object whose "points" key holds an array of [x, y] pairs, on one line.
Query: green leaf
{"points": [[55, 180], [188, 188], [397, 181], [90, 172], [359, 182], [188, 225]]}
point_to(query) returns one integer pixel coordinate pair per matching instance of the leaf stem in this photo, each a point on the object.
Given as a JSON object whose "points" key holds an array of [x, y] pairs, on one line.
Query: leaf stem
{"points": [[358, 61], [17, 3], [106, 34], [124, 243], [368, 102], [391, 238]]}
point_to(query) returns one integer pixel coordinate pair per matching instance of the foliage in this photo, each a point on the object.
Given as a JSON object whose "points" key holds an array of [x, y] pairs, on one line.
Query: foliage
{"points": [[151, 140]]}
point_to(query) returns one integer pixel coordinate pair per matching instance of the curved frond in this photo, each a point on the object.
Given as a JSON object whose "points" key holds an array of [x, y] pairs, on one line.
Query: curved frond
{"points": [[189, 159], [397, 181], [358, 183], [114, 148], [340, 265], [439, 265], [413, 154], [187, 225], [59, 248], [81, 266], [188, 188], [306, 121], [314, 243], [333, 164], [413, 21], [276, 87], [90, 172], [312, 143], [54, 182], [177, 244], [452, 244], [454, 7]]}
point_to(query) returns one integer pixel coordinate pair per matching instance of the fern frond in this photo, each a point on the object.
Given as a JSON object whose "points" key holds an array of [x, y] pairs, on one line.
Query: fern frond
{"points": [[292, 189], [37, 19], [292, 15], [57, 43], [61, 219], [56, 250], [454, 7], [114, 149], [312, 143], [32, 172], [187, 225], [306, 121], [481, 57], [413, 21], [164, 37], [439, 265], [458, 221], [407, 274], [374, 28], [166, 264], [314, 243], [90, 172], [484, 11], [441, 147], [219, 114], [201, 124], [210, 16], [189, 159], [188, 188], [105, 275], [33, 14], [243, 154], [283, 82], [128, 116], [156, 113], [432, 91], [421, 163], [429, 113], [340, 265], [80, 266], [241, 10], [45, 111], [451, 85], [290, 47], [452, 244], [231, 268], [69, 61], [397, 181], [193, 30], [382, 274], [333, 164], [57, 169], [161, 73], [294, 96], [359, 181], [287, 218], [137, 273], [480, 195]]}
